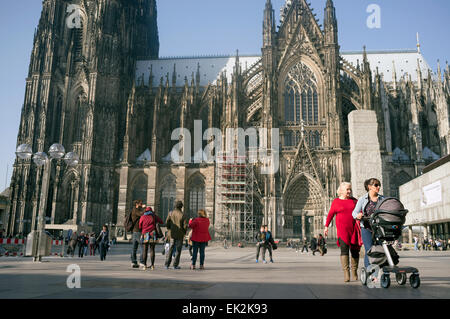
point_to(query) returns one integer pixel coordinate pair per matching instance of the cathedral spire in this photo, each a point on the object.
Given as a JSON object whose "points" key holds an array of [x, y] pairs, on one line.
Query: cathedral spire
{"points": [[150, 78], [174, 76], [394, 75], [268, 25], [330, 23], [419, 76], [439, 71], [418, 43]]}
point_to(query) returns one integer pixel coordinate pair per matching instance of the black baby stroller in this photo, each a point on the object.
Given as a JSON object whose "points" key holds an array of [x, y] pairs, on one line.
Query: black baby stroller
{"points": [[386, 223]]}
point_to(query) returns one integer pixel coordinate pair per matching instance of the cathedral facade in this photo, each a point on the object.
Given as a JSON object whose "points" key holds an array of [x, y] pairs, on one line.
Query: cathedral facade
{"points": [[102, 91]]}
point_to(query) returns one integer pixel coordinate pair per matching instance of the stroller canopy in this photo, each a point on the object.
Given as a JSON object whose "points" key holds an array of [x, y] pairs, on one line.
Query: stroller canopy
{"points": [[390, 204]]}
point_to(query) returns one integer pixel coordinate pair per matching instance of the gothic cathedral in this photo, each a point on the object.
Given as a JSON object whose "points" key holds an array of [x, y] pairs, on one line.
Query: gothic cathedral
{"points": [[102, 91]]}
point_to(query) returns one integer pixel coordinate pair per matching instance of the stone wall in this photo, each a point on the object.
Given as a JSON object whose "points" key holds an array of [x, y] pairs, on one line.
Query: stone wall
{"points": [[421, 197]]}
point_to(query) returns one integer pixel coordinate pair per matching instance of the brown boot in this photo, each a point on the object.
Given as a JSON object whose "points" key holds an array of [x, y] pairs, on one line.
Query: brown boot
{"points": [[355, 262], [346, 268]]}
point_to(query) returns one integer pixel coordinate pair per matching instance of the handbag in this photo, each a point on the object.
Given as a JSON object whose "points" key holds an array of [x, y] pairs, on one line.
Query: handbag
{"points": [[158, 232]]}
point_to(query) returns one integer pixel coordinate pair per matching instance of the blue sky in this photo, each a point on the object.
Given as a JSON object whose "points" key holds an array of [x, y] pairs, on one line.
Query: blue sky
{"points": [[202, 27]]}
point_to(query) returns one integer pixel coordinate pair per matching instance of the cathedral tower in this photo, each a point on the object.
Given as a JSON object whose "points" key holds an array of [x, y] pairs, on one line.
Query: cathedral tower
{"points": [[80, 75]]}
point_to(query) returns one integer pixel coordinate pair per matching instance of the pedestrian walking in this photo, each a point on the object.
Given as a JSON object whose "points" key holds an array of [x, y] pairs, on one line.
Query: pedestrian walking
{"points": [[189, 242], [425, 243], [103, 242], [269, 244], [305, 245], [86, 244], [260, 239], [438, 244], [92, 244], [322, 245], [199, 237], [346, 226], [416, 243], [72, 244], [81, 243], [136, 213], [176, 224], [147, 226], [364, 208], [314, 245]]}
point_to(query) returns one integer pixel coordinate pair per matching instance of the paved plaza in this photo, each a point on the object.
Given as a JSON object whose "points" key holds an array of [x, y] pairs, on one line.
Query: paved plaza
{"points": [[230, 274]]}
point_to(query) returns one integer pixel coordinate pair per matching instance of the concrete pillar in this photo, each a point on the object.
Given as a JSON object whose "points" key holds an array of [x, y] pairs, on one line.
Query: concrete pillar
{"points": [[410, 233], [122, 204], [303, 226], [365, 155]]}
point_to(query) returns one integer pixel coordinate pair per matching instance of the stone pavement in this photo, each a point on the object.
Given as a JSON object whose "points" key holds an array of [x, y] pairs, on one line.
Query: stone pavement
{"points": [[229, 274]]}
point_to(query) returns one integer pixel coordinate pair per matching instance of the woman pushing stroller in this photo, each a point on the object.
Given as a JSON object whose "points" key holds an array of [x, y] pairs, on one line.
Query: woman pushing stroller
{"points": [[364, 208]]}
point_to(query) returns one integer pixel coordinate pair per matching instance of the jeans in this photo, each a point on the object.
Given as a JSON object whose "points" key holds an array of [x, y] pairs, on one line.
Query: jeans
{"points": [[367, 240], [178, 243], [103, 249], [269, 247], [136, 241], [196, 247], [80, 251], [258, 249]]}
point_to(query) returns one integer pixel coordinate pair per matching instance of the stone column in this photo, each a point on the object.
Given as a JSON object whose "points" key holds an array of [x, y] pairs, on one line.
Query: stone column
{"points": [[122, 203], [410, 234], [425, 230], [365, 155], [303, 225]]}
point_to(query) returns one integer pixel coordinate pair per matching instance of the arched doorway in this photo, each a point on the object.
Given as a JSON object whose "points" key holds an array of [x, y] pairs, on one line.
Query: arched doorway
{"points": [[168, 195], [304, 208], [68, 199], [139, 189], [196, 195]]}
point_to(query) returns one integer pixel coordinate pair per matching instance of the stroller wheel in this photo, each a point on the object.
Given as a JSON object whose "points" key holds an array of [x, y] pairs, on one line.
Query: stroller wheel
{"points": [[363, 276], [385, 280], [401, 278], [414, 281]]}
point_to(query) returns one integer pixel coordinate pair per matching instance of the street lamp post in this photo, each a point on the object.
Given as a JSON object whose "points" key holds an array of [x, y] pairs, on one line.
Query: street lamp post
{"points": [[57, 152]]}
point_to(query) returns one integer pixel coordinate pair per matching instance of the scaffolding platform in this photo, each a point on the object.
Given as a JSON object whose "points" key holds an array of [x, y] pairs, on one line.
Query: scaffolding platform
{"points": [[235, 198]]}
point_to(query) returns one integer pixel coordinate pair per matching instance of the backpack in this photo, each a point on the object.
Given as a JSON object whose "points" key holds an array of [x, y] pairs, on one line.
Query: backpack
{"points": [[129, 224]]}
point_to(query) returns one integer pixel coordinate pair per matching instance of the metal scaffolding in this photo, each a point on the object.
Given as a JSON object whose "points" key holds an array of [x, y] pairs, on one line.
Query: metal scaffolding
{"points": [[235, 198]]}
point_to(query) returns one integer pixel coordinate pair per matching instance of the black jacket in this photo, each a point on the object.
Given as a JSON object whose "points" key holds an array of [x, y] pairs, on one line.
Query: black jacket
{"points": [[322, 242], [313, 243], [260, 237]]}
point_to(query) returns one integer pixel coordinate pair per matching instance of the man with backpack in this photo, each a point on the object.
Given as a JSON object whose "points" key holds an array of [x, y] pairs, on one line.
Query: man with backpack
{"points": [[132, 225], [177, 226]]}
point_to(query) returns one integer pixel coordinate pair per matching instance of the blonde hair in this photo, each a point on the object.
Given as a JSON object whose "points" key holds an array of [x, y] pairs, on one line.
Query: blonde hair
{"points": [[342, 187], [202, 213]]}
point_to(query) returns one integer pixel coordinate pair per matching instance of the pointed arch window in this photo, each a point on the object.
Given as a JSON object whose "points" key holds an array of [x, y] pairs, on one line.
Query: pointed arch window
{"points": [[310, 107], [168, 196], [301, 97], [196, 196], [79, 119]]}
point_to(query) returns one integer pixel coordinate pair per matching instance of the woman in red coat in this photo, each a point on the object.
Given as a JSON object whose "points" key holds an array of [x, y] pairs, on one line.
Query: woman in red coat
{"points": [[342, 207], [200, 237], [147, 226]]}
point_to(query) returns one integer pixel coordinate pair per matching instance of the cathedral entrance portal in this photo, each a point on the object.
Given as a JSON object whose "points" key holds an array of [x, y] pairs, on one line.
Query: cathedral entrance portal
{"points": [[303, 208]]}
